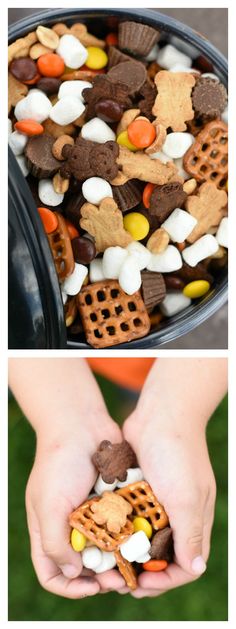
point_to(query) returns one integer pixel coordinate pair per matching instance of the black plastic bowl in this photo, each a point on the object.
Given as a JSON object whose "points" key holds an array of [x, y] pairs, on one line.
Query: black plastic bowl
{"points": [[35, 307]]}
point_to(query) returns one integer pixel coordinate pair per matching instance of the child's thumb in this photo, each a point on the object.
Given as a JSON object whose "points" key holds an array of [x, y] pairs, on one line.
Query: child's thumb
{"points": [[55, 535], [188, 542]]}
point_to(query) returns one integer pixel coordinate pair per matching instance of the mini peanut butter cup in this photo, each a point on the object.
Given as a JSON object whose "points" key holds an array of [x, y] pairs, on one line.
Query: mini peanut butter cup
{"points": [[39, 157], [137, 38]]}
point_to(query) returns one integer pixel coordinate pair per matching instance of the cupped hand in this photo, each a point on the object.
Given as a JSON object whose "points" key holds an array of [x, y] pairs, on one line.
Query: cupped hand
{"points": [[61, 479], [177, 466]]}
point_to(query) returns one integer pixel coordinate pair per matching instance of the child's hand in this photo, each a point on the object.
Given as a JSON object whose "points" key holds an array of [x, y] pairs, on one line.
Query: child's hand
{"points": [[61, 479], [177, 466]]}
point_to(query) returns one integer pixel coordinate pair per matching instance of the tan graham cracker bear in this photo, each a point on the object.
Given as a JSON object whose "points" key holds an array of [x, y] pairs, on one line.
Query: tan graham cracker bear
{"points": [[141, 166], [208, 207], [111, 510], [173, 104], [105, 223]]}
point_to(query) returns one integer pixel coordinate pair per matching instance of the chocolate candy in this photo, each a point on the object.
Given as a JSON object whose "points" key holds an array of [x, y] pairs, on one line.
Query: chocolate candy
{"points": [[39, 157], [83, 249], [166, 198], [173, 282], [23, 69], [90, 159], [49, 85], [109, 110], [102, 90], [209, 98], [153, 289], [131, 73]]}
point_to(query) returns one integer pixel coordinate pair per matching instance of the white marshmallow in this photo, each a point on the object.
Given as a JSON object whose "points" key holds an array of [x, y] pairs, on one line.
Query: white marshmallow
{"points": [[72, 52], [210, 75], [140, 253], [95, 189], [152, 55], [134, 474], [130, 277], [47, 194], [100, 486], [224, 115], [17, 142], [161, 156], [9, 126], [136, 545], [222, 233], [64, 296], [201, 249], [107, 563], [181, 172], [36, 106], [177, 143], [73, 88], [112, 261], [73, 283], [173, 303], [91, 557], [97, 130], [179, 225], [169, 260], [22, 164], [178, 67], [143, 558], [96, 271], [66, 110], [168, 56], [184, 46]]}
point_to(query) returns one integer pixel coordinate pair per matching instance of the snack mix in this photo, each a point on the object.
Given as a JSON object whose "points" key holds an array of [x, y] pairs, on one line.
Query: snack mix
{"points": [[123, 141], [122, 523]]}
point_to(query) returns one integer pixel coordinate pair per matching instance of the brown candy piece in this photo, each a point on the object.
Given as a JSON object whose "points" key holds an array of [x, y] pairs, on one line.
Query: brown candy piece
{"points": [[90, 159], [105, 90], [148, 96], [115, 56], [128, 195], [131, 73], [49, 85], [84, 250], [162, 545], [190, 274], [153, 289], [165, 199], [137, 38], [209, 98], [112, 460], [173, 283], [108, 110], [23, 69], [39, 157]]}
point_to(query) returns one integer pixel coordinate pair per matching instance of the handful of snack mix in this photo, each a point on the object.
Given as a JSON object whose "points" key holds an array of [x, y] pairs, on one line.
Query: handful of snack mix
{"points": [[123, 141], [122, 524]]}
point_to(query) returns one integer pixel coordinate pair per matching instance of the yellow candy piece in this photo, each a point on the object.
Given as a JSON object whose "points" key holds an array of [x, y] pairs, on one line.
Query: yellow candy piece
{"points": [[97, 58], [196, 289], [141, 524], [137, 225], [123, 139], [78, 540]]}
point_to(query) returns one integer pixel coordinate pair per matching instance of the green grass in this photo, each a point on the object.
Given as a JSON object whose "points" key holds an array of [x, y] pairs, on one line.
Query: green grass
{"points": [[205, 599]]}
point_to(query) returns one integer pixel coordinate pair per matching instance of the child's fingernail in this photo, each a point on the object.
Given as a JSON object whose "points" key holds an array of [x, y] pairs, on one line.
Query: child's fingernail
{"points": [[198, 565], [70, 571]]}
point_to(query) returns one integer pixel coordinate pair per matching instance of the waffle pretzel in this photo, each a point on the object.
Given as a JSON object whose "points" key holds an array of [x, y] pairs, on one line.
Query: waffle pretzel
{"points": [[109, 316], [82, 520], [127, 570], [145, 503], [207, 158], [61, 249]]}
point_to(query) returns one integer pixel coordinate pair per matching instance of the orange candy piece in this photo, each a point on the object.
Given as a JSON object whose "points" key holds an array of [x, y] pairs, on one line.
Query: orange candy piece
{"points": [[29, 127], [111, 39], [141, 133], [33, 81], [147, 193], [49, 219], [50, 65], [72, 231], [155, 565]]}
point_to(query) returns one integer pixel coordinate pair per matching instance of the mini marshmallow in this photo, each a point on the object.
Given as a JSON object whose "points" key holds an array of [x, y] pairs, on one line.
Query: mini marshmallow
{"points": [[140, 253], [152, 55], [222, 233], [97, 130], [178, 67], [167, 261], [224, 115], [36, 106], [173, 303], [91, 557], [179, 225], [210, 75], [100, 486], [143, 558], [22, 164], [9, 127], [184, 46], [112, 261], [64, 296], [203, 247], [134, 474], [73, 283], [130, 277], [96, 271], [73, 53], [161, 156], [168, 56], [95, 189], [66, 110], [17, 142], [136, 545], [107, 563], [47, 194], [73, 88], [181, 172], [177, 143]]}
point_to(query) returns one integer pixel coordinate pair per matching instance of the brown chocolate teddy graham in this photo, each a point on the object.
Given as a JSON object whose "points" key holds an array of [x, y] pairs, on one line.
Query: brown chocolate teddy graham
{"points": [[113, 460], [90, 159]]}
